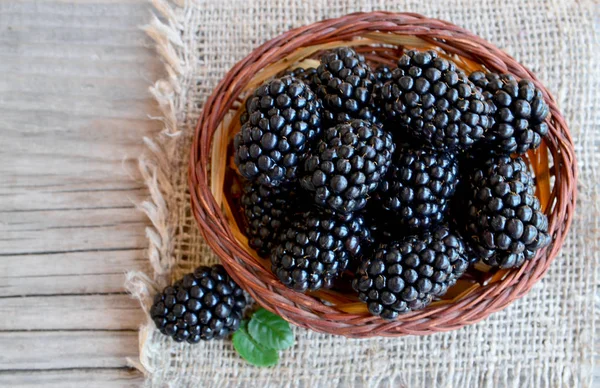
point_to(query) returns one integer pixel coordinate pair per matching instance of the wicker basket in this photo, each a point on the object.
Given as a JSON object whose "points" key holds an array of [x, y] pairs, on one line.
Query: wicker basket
{"points": [[381, 37]]}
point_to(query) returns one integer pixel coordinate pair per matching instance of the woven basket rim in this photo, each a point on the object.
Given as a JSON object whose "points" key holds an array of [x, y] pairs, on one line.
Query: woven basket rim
{"points": [[306, 311]]}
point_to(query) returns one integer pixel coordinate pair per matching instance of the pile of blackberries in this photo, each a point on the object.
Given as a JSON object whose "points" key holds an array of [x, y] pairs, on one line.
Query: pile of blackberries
{"points": [[403, 176]]}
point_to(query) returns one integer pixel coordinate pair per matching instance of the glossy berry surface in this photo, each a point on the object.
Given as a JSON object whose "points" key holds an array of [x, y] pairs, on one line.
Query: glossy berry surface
{"points": [[305, 75], [265, 209], [519, 111], [347, 164], [435, 102], [206, 304], [406, 275], [283, 118], [344, 82], [316, 248], [418, 186], [504, 221]]}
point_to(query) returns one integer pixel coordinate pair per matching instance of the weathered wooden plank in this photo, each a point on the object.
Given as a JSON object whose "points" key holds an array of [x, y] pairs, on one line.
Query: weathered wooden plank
{"points": [[68, 273], [75, 105], [75, 237], [99, 283], [75, 263], [71, 312], [75, 197], [73, 378], [44, 221], [71, 240], [66, 349]]}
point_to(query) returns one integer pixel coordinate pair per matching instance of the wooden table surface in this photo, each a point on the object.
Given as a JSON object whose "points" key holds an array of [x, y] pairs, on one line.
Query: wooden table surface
{"points": [[74, 106]]}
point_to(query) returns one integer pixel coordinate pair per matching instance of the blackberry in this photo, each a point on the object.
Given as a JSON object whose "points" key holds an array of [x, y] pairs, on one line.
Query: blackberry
{"points": [[418, 186], [504, 221], [206, 304], [344, 82], [283, 120], [347, 164], [435, 102], [305, 75], [265, 210], [383, 73], [316, 248], [406, 275], [519, 111]]}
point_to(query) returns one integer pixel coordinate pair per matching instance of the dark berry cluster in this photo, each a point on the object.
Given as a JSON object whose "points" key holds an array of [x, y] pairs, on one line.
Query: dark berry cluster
{"points": [[283, 119], [347, 165], [398, 177], [206, 304], [504, 219], [315, 249], [418, 186], [305, 75], [344, 82], [519, 111], [406, 275], [265, 209], [432, 100]]}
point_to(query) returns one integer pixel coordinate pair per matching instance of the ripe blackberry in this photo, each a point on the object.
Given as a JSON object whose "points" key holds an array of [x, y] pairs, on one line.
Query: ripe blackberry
{"points": [[383, 73], [283, 119], [344, 82], [347, 164], [519, 111], [305, 75], [504, 221], [315, 249], [265, 210], [206, 304], [406, 275], [435, 102], [418, 186]]}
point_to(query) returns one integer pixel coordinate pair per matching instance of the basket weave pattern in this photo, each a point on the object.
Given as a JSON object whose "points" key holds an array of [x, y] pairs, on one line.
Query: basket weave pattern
{"points": [[309, 311]]}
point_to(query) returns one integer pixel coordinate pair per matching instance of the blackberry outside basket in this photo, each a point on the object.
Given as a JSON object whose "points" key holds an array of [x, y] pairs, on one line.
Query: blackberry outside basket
{"points": [[380, 37]]}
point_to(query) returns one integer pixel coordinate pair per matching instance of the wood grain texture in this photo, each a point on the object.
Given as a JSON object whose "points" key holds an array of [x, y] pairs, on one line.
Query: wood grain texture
{"points": [[73, 378], [66, 349], [75, 105]]}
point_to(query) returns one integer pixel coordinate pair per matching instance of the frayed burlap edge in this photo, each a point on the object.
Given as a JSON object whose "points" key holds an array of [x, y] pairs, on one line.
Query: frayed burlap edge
{"points": [[154, 166]]}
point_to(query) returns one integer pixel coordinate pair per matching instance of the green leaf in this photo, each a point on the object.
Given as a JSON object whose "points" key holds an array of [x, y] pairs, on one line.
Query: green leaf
{"points": [[270, 330], [252, 351]]}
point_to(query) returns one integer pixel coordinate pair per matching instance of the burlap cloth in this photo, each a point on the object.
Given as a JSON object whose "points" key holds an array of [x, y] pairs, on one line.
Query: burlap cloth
{"points": [[544, 339]]}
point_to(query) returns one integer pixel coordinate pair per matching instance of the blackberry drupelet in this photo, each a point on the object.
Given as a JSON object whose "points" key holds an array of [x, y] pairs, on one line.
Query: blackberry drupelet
{"points": [[316, 248], [418, 186], [344, 82], [206, 304], [266, 209], [305, 75], [519, 111], [347, 164], [406, 275], [435, 102], [504, 222], [283, 121]]}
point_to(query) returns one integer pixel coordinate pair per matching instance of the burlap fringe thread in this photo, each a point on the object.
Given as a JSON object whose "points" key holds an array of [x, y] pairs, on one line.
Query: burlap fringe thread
{"points": [[154, 166]]}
